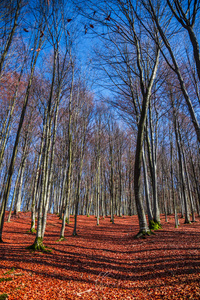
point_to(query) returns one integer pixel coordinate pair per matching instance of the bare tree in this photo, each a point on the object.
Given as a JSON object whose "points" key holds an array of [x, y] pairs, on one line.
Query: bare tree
{"points": [[37, 44], [187, 14]]}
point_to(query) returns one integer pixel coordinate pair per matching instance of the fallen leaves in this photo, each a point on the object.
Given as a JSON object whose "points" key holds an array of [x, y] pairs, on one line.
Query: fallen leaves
{"points": [[103, 262]]}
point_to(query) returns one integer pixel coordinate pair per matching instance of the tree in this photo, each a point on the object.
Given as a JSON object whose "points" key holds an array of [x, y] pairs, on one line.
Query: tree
{"points": [[154, 15], [10, 14], [187, 13], [37, 42]]}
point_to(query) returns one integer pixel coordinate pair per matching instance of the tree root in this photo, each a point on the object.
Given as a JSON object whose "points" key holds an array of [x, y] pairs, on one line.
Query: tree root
{"points": [[62, 238], [32, 230], [143, 234], [3, 296], [38, 246], [187, 222]]}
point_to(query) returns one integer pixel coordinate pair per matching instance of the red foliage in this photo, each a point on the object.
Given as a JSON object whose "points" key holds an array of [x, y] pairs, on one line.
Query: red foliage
{"points": [[103, 262]]}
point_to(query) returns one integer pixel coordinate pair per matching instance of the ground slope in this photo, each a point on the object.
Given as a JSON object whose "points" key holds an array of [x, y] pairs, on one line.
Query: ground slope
{"points": [[102, 262]]}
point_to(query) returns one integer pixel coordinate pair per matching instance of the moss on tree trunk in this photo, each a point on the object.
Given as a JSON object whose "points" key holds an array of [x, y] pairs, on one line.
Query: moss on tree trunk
{"points": [[154, 225]]}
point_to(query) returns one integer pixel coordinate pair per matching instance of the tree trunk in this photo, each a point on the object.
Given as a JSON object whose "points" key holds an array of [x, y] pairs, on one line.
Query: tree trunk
{"points": [[182, 174], [67, 186], [156, 212], [14, 193], [149, 211], [187, 176], [111, 185], [172, 183], [144, 229], [15, 148], [77, 197], [6, 126], [18, 200]]}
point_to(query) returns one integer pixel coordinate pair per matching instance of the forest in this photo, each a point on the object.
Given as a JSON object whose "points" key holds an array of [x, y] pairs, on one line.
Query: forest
{"points": [[99, 114]]}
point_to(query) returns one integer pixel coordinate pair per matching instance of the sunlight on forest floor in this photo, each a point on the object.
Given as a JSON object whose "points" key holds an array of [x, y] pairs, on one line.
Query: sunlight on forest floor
{"points": [[104, 262]]}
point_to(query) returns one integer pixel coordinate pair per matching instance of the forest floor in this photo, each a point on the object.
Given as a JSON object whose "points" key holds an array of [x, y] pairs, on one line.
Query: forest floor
{"points": [[101, 262]]}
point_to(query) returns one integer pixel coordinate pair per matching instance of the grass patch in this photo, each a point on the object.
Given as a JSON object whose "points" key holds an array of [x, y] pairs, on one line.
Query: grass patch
{"points": [[5, 279], [3, 296], [31, 231], [11, 271], [62, 238]]}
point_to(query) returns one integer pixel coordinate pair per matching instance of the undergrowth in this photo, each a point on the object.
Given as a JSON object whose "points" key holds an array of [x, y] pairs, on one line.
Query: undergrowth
{"points": [[5, 279], [3, 296]]}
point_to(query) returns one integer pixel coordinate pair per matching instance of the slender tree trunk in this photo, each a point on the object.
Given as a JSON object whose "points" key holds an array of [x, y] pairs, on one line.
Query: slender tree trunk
{"points": [[182, 174], [103, 199], [90, 202], [111, 185], [156, 212], [77, 197], [164, 198], [98, 184], [18, 200], [172, 183], [6, 126], [67, 187], [149, 211], [36, 187], [187, 177], [98, 173], [130, 204], [197, 185], [50, 175], [15, 148], [38, 243], [120, 181], [14, 193]]}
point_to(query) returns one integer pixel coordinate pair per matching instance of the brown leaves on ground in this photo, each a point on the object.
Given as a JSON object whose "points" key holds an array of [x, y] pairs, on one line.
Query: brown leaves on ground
{"points": [[102, 262]]}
